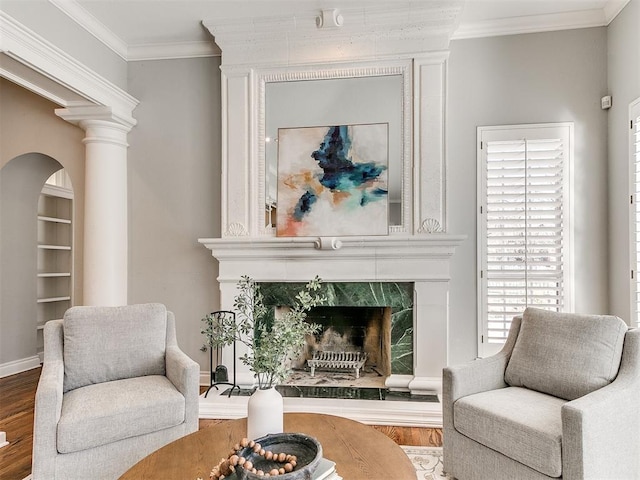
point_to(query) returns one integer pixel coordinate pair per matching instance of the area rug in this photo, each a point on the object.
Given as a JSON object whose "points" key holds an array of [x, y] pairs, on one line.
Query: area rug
{"points": [[427, 461]]}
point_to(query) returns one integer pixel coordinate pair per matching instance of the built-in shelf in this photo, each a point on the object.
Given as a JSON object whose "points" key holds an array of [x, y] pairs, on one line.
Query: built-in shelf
{"points": [[54, 255], [53, 299], [54, 219], [55, 191], [55, 247]]}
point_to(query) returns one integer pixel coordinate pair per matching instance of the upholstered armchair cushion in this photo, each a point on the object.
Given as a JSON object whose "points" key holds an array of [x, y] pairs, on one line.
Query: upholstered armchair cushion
{"points": [[109, 412], [566, 355], [122, 348], [522, 424]]}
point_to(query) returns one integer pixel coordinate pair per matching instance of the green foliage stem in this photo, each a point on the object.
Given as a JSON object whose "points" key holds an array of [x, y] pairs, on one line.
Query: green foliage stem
{"points": [[271, 339]]}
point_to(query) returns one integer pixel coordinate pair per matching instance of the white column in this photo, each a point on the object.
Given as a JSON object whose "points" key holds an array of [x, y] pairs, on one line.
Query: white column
{"points": [[105, 204]]}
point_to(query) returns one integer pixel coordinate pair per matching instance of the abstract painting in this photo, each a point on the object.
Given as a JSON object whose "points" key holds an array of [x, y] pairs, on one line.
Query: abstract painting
{"points": [[332, 181]]}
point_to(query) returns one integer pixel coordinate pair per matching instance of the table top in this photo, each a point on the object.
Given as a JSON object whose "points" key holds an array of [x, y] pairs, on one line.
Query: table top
{"points": [[360, 451]]}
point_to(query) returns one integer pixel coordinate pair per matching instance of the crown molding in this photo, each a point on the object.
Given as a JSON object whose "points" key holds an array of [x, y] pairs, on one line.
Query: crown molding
{"points": [[399, 23], [54, 65], [91, 24], [613, 8], [168, 51], [152, 51], [531, 24], [542, 23]]}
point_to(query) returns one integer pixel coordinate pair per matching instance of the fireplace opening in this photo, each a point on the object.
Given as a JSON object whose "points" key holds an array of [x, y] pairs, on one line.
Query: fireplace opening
{"points": [[374, 318], [352, 340]]}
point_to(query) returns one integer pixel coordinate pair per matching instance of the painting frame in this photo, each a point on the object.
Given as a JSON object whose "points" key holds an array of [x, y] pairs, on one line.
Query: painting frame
{"points": [[333, 180]]}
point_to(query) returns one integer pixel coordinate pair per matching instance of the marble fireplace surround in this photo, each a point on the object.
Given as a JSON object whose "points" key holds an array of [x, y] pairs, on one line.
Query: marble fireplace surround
{"points": [[380, 325]]}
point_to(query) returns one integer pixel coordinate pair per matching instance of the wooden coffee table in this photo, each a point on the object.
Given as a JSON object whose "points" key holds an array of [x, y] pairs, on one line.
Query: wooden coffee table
{"points": [[360, 452]]}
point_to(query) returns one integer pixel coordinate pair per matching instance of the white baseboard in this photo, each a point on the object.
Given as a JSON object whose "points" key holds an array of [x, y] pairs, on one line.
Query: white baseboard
{"points": [[205, 378], [3, 439], [19, 366]]}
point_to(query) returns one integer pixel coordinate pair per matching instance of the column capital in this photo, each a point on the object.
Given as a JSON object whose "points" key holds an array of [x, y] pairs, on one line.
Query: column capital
{"points": [[88, 115]]}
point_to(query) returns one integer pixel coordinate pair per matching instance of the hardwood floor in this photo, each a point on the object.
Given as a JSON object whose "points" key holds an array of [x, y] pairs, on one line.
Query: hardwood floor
{"points": [[17, 396]]}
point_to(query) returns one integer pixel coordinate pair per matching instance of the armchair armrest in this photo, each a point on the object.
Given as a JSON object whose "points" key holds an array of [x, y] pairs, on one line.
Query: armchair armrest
{"points": [[184, 373], [600, 430], [476, 376], [48, 403], [482, 374]]}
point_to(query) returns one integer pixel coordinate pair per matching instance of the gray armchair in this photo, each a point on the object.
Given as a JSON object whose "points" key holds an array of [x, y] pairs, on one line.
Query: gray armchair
{"points": [[114, 387], [559, 401]]}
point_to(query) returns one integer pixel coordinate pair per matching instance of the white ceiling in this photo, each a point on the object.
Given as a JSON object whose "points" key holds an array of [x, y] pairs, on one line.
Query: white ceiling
{"points": [[139, 29]]}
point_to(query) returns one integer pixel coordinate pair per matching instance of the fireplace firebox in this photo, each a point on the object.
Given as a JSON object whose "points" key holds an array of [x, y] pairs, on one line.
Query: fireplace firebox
{"points": [[349, 339], [373, 319]]}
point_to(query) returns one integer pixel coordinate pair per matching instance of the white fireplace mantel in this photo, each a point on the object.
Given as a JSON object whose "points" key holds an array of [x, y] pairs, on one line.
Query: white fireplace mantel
{"points": [[423, 260]]}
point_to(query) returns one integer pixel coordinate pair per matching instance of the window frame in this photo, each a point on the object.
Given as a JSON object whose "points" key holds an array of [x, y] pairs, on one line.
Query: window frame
{"points": [[539, 131]]}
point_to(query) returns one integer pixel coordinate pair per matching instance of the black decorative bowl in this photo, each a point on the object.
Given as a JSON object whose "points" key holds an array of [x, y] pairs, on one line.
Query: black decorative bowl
{"points": [[307, 450]]}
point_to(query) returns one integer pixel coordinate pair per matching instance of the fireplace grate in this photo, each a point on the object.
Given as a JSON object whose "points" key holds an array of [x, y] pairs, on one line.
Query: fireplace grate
{"points": [[337, 361]]}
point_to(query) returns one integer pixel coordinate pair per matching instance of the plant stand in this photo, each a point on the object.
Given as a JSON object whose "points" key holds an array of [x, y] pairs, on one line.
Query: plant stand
{"points": [[212, 378]]}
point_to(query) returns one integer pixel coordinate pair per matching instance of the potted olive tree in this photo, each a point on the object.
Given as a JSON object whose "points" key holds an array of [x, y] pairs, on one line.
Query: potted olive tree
{"points": [[271, 339]]}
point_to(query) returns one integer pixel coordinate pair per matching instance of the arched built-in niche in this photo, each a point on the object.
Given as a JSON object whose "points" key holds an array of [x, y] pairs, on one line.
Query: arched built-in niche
{"points": [[21, 182]]}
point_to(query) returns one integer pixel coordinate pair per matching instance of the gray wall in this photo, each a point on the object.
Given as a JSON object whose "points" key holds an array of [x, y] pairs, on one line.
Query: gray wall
{"points": [[535, 78], [624, 85], [174, 157], [174, 191]]}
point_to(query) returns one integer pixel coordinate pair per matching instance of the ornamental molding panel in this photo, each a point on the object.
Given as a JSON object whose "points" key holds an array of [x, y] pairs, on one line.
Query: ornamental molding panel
{"points": [[430, 225], [401, 68], [409, 40]]}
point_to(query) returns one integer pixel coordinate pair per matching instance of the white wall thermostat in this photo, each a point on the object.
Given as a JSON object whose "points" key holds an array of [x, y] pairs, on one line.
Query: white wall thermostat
{"points": [[605, 102]]}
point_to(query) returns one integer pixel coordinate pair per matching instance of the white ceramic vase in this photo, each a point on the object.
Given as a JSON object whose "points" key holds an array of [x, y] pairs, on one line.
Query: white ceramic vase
{"points": [[264, 413]]}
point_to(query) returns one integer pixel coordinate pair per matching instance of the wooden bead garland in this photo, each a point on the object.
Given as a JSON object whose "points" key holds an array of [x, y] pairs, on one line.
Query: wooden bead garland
{"points": [[228, 466]]}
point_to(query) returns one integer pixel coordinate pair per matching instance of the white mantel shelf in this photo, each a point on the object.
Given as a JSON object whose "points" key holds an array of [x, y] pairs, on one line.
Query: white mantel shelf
{"points": [[287, 258], [381, 243]]}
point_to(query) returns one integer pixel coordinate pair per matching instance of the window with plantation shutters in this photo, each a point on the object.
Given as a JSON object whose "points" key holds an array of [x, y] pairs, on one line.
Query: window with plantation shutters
{"points": [[523, 225], [634, 154]]}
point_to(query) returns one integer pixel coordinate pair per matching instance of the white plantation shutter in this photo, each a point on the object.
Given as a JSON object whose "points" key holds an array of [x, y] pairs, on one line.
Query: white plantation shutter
{"points": [[523, 224], [634, 153]]}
